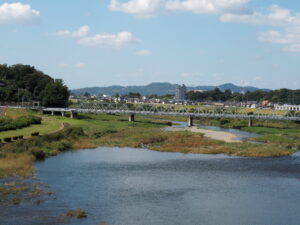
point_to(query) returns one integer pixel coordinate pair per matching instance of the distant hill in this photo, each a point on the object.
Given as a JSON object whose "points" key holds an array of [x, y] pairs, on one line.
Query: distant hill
{"points": [[158, 89]]}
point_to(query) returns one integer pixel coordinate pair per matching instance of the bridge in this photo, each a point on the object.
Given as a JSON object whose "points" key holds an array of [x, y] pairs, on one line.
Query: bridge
{"points": [[190, 113]]}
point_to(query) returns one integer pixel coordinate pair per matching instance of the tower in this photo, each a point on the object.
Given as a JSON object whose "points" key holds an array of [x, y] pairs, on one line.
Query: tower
{"points": [[180, 93]]}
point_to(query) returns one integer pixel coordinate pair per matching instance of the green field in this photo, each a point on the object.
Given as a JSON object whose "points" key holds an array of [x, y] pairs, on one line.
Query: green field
{"points": [[48, 125]]}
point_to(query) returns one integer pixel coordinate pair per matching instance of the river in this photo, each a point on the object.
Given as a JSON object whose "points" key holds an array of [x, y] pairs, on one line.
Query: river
{"points": [[240, 135], [123, 186]]}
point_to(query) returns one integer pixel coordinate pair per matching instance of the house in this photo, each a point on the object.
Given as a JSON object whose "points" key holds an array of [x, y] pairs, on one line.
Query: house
{"points": [[287, 107]]}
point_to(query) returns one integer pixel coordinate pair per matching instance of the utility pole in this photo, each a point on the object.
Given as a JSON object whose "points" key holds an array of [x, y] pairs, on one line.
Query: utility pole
{"points": [[18, 97]]}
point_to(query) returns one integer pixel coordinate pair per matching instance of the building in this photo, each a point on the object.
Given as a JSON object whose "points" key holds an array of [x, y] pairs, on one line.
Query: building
{"points": [[180, 93], [288, 107]]}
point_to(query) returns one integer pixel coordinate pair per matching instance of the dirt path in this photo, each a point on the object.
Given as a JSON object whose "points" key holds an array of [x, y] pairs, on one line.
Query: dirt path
{"points": [[62, 126], [217, 135]]}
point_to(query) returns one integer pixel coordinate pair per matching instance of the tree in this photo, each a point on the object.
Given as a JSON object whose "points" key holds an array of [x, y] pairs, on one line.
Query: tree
{"points": [[87, 95], [280, 96], [134, 95], [56, 94], [227, 95], [27, 83]]}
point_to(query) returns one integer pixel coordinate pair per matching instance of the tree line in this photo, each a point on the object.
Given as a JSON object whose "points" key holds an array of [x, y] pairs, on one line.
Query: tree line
{"points": [[276, 96], [26, 83]]}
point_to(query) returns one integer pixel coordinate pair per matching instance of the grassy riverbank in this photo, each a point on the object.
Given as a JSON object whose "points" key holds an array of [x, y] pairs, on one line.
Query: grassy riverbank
{"points": [[90, 131], [48, 125], [59, 134]]}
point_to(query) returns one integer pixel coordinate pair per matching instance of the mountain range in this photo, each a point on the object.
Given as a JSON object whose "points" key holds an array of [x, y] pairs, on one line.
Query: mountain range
{"points": [[158, 89]]}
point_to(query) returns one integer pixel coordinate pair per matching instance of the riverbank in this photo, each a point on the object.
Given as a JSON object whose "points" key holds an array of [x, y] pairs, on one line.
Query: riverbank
{"points": [[90, 131], [285, 134], [215, 135]]}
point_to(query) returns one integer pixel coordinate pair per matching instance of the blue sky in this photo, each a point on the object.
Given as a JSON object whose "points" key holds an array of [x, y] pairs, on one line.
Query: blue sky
{"points": [[135, 42]]}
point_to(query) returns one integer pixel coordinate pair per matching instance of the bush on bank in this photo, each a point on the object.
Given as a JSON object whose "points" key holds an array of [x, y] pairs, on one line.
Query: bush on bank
{"points": [[47, 145], [7, 123]]}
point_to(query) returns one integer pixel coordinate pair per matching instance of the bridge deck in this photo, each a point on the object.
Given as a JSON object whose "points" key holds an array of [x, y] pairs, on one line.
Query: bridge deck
{"points": [[187, 114]]}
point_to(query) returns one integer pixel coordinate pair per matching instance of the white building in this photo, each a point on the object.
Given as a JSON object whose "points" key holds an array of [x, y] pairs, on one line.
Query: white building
{"points": [[287, 107], [180, 93]]}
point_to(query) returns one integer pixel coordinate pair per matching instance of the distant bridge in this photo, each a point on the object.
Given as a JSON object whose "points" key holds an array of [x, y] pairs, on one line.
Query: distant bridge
{"points": [[190, 113]]}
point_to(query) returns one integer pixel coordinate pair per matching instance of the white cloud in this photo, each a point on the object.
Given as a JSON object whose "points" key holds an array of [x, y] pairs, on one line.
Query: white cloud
{"points": [[77, 65], [275, 16], [258, 78], [273, 36], [289, 35], [144, 52], [207, 6], [63, 65], [98, 40], [81, 32], [144, 8], [108, 40], [17, 13], [233, 11], [80, 65]]}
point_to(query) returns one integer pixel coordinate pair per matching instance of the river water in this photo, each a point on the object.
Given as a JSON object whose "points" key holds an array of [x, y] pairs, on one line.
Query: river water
{"points": [[123, 186], [241, 135]]}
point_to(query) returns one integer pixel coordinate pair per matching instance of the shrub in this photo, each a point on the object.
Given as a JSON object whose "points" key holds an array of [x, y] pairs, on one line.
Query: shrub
{"points": [[8, 139], [224, 121], [35, 134], [74, 132], [21, 137], [63, 145], [38, 154], [15, 138], [99, 134], [21, 122]]}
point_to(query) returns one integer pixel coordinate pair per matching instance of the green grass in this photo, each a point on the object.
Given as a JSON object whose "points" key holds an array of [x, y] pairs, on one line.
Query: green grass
{"points": [[101, 122], [188, 142], [48, 125], [87, 129], [269, 130], [290, 138], [115, 130]]}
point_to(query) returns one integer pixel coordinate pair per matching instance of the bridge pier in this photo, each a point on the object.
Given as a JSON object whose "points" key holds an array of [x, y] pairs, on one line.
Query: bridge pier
{"points": [[52, 113], [131, 118], [74, 115], [62, 113], [250, 122], [190, 121]]}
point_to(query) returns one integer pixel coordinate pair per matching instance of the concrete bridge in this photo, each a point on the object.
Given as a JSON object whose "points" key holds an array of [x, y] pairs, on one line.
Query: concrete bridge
{"points": [[150, 110], [62, 111]]}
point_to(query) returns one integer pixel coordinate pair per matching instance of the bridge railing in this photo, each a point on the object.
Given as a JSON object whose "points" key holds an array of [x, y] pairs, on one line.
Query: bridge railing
{"points": [[179, 109], [148, 109]]}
